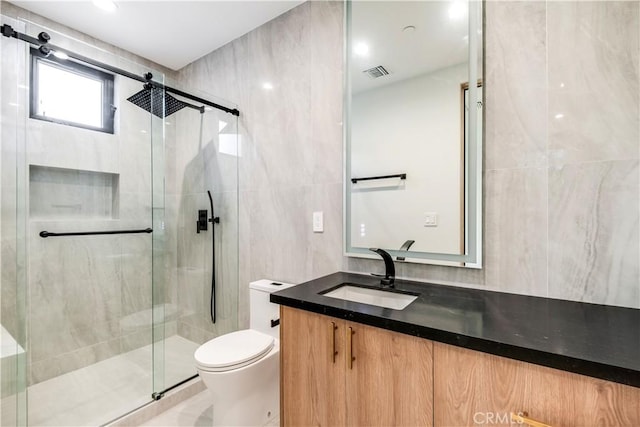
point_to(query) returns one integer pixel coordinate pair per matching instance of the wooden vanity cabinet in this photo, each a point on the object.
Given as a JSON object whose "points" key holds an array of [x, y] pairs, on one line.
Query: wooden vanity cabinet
{"points": [[473, 388], [336, 373], [400, 380]]}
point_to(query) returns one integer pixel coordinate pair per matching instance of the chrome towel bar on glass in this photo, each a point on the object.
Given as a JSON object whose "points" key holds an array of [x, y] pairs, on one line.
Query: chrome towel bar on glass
{"points": [[45, 234], [369, 178]]}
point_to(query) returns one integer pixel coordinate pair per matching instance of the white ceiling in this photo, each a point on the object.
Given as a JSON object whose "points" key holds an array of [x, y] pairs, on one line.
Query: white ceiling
{"points": [[172, 33], [438, 40]]}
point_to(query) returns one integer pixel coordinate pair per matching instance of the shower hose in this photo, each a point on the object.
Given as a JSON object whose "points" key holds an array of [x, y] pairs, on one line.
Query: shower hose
{"points": [[214, 220]]}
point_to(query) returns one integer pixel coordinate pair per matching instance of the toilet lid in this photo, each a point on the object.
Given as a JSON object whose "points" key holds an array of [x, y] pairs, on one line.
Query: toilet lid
{"points": [[233, 349]]}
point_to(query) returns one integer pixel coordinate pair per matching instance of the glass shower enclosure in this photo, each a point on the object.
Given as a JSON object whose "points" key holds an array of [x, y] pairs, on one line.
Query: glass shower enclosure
{"points": [[108, 234]]}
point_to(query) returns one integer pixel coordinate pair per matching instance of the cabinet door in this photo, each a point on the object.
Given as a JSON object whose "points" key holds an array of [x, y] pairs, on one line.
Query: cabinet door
{"points": [[473, 388], [312, 372], [389, 381]]}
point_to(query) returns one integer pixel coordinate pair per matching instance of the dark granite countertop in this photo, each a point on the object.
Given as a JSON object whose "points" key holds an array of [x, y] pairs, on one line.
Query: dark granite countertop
{"points": [[596, 340]]}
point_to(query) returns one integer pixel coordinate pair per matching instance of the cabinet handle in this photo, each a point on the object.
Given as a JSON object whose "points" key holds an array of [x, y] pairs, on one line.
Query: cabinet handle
{"points": [[350, 357], [522, 418], [333, 327]]}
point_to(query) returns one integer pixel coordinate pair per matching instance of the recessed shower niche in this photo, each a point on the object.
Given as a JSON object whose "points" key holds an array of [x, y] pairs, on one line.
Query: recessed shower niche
{"points": [[72, 194]]}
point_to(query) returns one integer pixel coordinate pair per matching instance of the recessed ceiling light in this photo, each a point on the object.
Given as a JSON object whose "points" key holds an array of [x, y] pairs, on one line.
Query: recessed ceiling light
{"points": [[457, 11], [361, 49], [267, 86], [108, 5], [559, 116]]}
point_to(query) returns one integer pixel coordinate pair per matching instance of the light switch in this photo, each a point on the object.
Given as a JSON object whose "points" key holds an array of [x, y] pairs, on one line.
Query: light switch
{"points": [[430, 219], [318, 222]]}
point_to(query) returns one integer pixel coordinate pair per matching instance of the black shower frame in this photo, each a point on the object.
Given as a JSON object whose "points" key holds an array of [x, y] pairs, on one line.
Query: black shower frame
{"points": [[43, 45]]}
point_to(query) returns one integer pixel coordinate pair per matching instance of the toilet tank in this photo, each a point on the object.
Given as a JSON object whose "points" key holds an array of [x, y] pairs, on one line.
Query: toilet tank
{"points": [[261, 311]]}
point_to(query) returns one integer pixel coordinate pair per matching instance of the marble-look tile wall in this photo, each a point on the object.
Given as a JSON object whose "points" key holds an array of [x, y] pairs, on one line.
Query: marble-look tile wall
{"points": [[561, 181], [89, 298], [291, 161]]}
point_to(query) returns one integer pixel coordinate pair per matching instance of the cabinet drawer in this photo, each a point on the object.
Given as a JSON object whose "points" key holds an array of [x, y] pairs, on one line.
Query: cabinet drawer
{"points": [[474, 388]]}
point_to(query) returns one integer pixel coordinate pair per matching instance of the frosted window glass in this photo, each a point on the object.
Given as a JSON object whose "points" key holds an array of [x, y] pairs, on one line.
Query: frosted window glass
{"points": [[67, 96]]}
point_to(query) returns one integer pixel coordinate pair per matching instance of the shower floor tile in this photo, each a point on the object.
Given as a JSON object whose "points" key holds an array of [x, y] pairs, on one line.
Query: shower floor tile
{"points": [[98, 393]]}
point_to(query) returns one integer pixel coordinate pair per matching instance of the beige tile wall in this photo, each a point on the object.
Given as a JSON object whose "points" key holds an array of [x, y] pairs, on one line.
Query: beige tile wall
{"points": [[291, 162], [560, 194]]}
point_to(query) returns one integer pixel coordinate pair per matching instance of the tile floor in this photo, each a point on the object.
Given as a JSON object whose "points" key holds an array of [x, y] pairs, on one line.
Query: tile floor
{"points": [[196, 411], [100, 392]]}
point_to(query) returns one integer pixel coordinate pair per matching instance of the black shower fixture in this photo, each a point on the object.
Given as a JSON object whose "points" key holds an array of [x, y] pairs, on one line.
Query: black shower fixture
{"points": [[157, 101]]}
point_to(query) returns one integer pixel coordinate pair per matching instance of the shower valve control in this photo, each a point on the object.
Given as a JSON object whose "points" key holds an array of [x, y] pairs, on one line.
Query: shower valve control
{"points": [[201, 223]]}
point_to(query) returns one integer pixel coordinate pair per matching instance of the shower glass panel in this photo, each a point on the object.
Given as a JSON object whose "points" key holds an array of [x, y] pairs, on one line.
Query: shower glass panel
{"points": [[13, 398], [202, 152], [89, 310]]}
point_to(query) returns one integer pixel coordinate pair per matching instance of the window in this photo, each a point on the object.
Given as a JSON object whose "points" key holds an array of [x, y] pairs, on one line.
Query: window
{"points": [[68, 93]]}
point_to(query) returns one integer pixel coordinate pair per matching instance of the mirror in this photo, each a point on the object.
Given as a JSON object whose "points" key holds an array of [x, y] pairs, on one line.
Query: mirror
{"points": [[413, 145]]}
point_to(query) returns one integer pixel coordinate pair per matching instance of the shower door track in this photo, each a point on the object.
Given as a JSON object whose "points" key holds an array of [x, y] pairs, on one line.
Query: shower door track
{"points": [[160, 394], [43, 45]]}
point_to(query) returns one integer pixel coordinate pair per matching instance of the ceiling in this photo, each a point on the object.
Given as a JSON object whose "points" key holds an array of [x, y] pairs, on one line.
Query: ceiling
{"points": [[172, 33], [439, 40]]}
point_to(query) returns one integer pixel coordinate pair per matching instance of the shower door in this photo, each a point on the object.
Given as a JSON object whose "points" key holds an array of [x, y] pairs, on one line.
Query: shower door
{"points": [[198, 279], [108, 286], [88, 194]]}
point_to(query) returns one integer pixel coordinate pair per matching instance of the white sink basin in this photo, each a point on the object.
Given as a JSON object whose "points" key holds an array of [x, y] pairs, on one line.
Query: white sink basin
{"points": [[394, 300]]}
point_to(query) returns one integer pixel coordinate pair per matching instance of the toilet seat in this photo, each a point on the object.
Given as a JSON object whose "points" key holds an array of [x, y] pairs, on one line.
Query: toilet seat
{"points": [[234, 350]]}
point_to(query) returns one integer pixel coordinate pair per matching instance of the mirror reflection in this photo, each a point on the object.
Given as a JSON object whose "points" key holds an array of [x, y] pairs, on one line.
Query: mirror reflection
{"points": [[409, 129]]}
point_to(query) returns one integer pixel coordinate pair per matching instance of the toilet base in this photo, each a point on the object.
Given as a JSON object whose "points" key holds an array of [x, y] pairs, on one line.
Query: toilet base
{"points": [[249, 396]]}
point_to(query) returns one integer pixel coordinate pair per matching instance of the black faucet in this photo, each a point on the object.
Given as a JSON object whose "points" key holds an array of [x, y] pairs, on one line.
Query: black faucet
{"points": [[405, 247], [390, 270]]}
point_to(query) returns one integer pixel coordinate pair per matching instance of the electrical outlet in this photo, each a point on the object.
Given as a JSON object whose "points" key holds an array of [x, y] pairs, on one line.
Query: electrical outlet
{"points": [[430, 219]]}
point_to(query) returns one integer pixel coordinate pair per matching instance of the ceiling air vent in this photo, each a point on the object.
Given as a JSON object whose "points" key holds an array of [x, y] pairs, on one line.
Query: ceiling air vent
{"points": [[376, 72]]}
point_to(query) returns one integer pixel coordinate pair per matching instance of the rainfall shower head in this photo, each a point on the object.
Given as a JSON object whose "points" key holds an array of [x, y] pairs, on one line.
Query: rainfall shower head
{"points": [[157, 101]]}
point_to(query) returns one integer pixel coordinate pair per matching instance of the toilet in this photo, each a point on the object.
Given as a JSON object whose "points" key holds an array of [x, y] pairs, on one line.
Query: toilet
{"points": [[242, 369]]}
